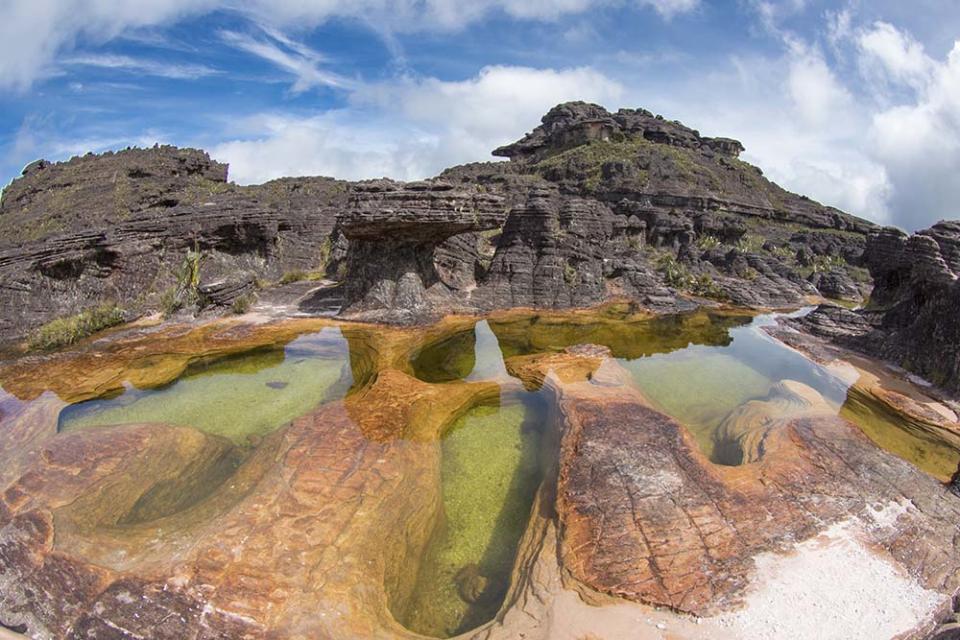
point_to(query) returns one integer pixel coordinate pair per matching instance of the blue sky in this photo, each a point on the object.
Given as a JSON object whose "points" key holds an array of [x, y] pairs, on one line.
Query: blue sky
{"points": [[855, 103]]}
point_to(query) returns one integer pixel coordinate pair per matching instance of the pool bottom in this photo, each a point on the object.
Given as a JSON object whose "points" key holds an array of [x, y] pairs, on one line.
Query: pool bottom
{"points": [[490, 472]]}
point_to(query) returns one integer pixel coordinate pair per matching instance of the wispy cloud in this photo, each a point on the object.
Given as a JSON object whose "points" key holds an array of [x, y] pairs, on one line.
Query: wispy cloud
{"points": [[141, 65], [293, 57]]}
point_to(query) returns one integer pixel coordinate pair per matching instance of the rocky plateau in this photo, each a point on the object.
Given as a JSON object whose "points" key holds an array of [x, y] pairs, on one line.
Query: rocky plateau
{"points": [[603, 240]]}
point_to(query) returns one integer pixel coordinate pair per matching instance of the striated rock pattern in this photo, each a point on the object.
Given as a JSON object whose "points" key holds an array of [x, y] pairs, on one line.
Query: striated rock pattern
{"points": [[593, 206], [911, 318], [121, 227], [317, 529], [643, 515], [395, 266]]}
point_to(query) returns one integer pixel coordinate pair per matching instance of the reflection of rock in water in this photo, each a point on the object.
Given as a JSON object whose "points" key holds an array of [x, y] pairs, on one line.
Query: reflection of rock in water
{"points": [[107, 532]]}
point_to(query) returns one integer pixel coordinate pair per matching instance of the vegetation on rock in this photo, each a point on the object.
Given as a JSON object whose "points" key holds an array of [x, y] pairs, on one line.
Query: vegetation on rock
{"points": [[63, 332]]}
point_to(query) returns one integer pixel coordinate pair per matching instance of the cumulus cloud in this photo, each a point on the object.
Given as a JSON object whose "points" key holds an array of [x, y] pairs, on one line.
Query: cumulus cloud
{"points": [[900, 57], [817, 94], [919, 142], [410, 128], [339, 144]]}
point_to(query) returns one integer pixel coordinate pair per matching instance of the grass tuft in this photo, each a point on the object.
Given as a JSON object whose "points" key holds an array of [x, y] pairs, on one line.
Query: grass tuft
{"points": [[66, 331]]}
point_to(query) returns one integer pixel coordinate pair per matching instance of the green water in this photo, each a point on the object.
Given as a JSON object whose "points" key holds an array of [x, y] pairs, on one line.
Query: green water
{"points": [[700, 385], [889, 432], [241, 398], [490, 472], [696, 367]]}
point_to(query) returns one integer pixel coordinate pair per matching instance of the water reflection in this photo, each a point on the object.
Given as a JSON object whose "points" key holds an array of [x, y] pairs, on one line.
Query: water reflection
{"points": [[697, 367], [240, 397]]}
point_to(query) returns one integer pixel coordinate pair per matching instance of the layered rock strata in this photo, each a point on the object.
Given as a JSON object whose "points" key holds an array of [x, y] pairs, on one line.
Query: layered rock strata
{"points": [[143, 229], [643, 515], [911, 317], [399, 265], [150, 530], [593, 206]]}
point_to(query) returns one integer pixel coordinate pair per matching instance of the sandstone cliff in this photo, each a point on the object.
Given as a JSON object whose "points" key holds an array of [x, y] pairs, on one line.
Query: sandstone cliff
{"points": [[911, 318], [592, 206]]}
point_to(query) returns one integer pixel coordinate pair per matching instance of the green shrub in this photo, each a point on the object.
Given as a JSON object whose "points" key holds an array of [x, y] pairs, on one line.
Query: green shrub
{"points": [[242, 304], [708, 241], [750, 243], [293, 276], [299, 275], [823, 264], [325, 251], [569, 274], [169, 302], [66, 331], [705, 287], [784, 253], [674, 273]]}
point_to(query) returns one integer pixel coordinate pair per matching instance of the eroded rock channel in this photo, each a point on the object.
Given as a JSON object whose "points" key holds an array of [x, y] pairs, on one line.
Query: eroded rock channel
{"points": [[491, 477]]}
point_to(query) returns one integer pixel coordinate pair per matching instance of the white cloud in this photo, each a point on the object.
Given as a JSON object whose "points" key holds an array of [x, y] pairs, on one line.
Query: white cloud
{"points": [[143, 66], [817, 94], [410, 128], [900, 56], [919, 143], [336, 143], [291, 56], [33, 33]]}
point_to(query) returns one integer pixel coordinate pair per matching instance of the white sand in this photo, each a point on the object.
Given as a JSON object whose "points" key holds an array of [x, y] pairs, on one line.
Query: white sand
{"points": [[833, 587]]}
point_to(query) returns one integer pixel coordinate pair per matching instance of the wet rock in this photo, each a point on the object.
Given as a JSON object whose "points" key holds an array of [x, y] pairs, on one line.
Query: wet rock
{"points": [[740, 438], [645, 516], [239, 558], [472, 586]]}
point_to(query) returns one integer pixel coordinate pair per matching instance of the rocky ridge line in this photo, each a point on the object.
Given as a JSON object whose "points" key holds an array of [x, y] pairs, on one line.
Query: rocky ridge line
{"points": [[591, 207]]}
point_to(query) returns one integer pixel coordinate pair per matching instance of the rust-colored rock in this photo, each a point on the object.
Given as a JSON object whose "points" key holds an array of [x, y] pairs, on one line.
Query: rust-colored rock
{"points": [[644, 515]]}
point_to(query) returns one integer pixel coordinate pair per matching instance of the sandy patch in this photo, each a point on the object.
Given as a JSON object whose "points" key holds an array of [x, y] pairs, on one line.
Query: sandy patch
{"points": [[834, 587]]}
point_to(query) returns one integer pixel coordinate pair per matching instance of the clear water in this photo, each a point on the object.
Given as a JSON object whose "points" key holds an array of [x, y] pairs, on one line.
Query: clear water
{"points": [[241, 398], [696, 367], [701, 385], [490, 471]]}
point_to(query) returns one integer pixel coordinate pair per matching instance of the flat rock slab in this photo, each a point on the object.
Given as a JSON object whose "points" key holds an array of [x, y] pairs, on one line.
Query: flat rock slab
{"points": [[644, 515]]}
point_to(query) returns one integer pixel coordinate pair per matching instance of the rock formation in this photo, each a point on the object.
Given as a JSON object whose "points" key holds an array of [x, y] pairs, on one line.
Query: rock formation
{"points": [[317, 530], [644, 516], [592, 206], [911, 315], [140, 227], [398, 265]]}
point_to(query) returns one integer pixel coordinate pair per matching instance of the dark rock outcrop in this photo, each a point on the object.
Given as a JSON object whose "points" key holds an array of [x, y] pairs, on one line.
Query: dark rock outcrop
{"points": [[912, 316], [136, 226], [396, 268], [593, 206]]}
